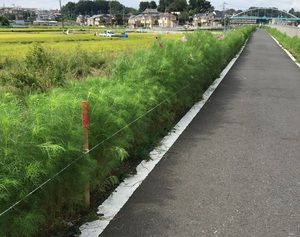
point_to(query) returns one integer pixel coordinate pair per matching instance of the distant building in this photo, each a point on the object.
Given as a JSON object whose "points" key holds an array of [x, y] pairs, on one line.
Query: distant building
{"points": [[150, 18], [96, 20], [167, 20], [19, 22], [16, 10], [80, 20], [207, 19]]}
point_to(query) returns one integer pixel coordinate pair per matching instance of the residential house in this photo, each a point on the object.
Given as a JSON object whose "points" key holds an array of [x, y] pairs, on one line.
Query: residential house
{"points": [[200, 19], [217, 19], [150, 18], [167, 20], [134, 21], [94, 20], [147, 19], [207, 19], [43, 15], [80, 20]]}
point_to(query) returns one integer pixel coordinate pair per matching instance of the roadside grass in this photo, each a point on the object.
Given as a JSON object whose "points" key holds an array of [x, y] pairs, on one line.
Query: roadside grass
{"points": [[292, 44]]}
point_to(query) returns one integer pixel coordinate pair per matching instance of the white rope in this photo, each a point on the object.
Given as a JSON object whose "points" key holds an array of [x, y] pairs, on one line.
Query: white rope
{"points": [[88, 151]]}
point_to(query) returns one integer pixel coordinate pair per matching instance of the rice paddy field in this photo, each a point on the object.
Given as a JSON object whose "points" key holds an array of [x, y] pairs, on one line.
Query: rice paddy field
{"points": [[17, 43], [51, 56]]}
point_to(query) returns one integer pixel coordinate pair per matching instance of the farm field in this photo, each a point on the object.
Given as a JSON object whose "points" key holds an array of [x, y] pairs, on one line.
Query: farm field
{"points": [[18, 44], [34, 60]]}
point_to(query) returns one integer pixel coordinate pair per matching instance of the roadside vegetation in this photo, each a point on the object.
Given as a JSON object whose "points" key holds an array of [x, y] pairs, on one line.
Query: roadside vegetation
{"points": [[292, 44], [134, 100], [36, 62]]}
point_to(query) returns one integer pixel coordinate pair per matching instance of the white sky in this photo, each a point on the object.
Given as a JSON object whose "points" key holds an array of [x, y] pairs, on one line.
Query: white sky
{"points": [[218, 4]]}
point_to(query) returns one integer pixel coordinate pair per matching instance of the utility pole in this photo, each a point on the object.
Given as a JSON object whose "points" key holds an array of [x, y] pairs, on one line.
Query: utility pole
{"points": [[224, 15], [62, 18], [111, 22], [124, 16]]}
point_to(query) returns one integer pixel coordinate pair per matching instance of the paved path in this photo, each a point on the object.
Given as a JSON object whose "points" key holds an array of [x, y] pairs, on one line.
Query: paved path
{"points": [[235, 171]]}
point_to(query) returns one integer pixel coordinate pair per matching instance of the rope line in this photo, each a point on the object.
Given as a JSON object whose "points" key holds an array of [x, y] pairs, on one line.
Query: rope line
{"points": [[88, 151]]}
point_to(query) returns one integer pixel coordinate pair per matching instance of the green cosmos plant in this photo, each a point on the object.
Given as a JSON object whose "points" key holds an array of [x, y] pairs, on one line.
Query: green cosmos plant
{"points": [[129, 111]]}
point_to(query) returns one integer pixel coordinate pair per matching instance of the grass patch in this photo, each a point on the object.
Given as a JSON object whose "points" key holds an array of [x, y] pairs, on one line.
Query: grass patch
{"points": [[292, 44]]}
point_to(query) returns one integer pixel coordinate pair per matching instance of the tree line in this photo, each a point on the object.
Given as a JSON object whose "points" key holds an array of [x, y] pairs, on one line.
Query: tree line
{"points": [[71, 9], [187, 8]]}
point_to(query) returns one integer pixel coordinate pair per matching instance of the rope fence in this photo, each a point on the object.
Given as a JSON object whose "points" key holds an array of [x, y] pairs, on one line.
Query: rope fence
{"points": [[87, 152]]}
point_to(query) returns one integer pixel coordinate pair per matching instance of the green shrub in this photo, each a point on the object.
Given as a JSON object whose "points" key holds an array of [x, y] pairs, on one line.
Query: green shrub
{"points": [[44, 68]]}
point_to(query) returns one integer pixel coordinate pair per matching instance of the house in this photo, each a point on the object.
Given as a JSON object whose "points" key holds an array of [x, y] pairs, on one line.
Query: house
{"points": [[134, 21], [167, 20], [147, 19], [201, 19], [43, 15], [94, 20], [80, 20], [207, 19], [101, 19], [150, 18], [218, 16]]}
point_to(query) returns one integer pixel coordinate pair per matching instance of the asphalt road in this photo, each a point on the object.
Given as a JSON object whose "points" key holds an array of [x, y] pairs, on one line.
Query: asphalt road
{"points": [[235, 170]]}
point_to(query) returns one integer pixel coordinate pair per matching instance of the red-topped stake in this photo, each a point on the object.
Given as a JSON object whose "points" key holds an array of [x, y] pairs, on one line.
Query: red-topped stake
{"points": [[85, 124]]}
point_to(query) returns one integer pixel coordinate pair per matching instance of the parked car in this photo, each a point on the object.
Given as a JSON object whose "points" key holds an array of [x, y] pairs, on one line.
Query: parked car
{"points": [[108, 33], [123, 35], [141, 30]]}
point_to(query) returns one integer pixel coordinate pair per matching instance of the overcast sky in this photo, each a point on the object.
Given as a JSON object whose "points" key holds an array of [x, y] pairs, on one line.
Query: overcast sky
{"points": [[218, 4]]}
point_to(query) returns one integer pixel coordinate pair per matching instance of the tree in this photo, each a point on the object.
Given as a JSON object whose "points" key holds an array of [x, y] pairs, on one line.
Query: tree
{"points": [[292, 11], [183, 17], [152, 5], [177, 6], [116, 7], [119, 19], [130, 10], [200, 6], [143, 6], [69, 11], [27, 15], [85, 8], [10, 16], [102, 7], [163, 5], [4, 21], [230, 12]]}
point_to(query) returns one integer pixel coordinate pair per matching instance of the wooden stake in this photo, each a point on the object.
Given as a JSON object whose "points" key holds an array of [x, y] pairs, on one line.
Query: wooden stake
{"points": [[85, 124]]}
